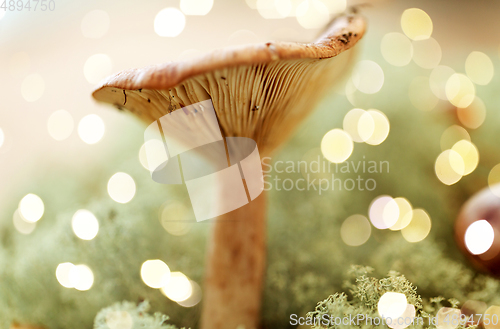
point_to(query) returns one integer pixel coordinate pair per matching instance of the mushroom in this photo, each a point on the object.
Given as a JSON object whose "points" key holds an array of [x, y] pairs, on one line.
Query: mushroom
{"points": [[482, 208], [262, 92]]}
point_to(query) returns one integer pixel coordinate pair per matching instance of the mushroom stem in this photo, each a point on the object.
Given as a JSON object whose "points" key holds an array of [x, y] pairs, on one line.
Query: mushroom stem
{"points": [[235, 268]]}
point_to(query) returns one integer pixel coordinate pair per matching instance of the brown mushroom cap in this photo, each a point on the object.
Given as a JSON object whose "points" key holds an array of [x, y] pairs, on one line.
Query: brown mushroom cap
{"points": [[259, 91]]}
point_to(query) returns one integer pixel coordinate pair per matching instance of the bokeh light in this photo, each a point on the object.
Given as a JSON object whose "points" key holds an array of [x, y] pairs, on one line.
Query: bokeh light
{"points": [[469, 154], [479, 237], [269, 9], [381, 129], [392, 305], [416, 24], [31, 208], [349, 91], [355, 96], [335, 6], [63, 274], [195, 297], [404, 319], [421, 95], [155, 273], [19, 64], [97, 67], [169, 22], [121, 187], [460, 91], [493, 179], [452, 135], [293, 13], [22, 225], [95, 24], [81, 277], [366, 126], [419, 227], [396, 49], [175, 218], [178, 288], [438, 79], [444, 318], [492, 252], [85, 225], [91, 129], [251, 3], [491, 319], [383, 212], [473, 311], [473, 115], [32, 87], [196, 7], [312, 14], [449, 167], [60, 125], [284, 7], [368, 77], [405, 214], [355, 230], [2, 137], [359, 125], [155, 156], [479, 68], [119, 320], [427, 53], [337, 146]]}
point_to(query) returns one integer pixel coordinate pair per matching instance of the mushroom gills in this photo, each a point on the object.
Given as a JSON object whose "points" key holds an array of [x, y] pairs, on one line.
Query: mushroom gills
{"points": [[262, 101]]}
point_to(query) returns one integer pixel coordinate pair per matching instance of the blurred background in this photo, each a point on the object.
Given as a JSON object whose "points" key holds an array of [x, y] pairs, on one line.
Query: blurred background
{"points": [[51, 60], [429, 66]]}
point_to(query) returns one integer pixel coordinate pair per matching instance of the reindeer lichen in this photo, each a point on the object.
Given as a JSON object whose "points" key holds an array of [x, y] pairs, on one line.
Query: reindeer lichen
{"points": [[132, 316], [364, 294]]}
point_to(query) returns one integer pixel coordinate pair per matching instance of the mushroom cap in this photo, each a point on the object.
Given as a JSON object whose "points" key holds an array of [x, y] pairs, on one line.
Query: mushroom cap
{"points": [[260, 91]]}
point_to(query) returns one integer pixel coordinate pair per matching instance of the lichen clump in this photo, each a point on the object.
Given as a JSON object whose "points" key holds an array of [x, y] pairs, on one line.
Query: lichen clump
{"points": [[364, 293], [128, 315]]}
